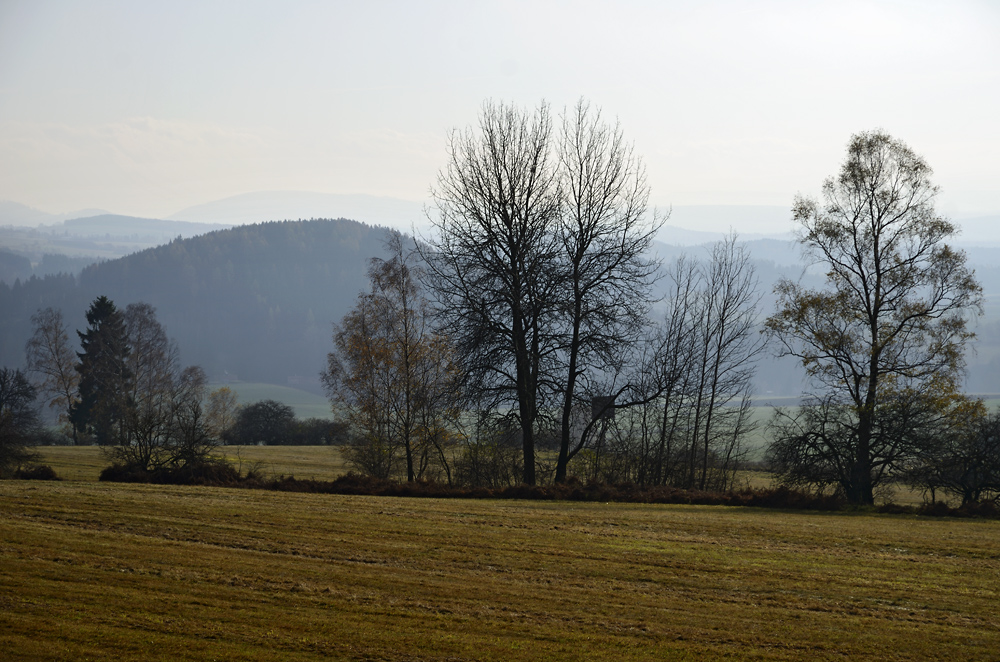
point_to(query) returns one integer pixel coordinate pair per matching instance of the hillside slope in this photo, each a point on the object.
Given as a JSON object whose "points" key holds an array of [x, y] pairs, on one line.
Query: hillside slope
{"points": [[255, 301]]}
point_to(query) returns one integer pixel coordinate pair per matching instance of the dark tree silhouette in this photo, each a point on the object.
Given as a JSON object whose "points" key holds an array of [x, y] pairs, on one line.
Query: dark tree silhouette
{"points": [[105, 380], [18, 420], [493, 260], [266, 422]]}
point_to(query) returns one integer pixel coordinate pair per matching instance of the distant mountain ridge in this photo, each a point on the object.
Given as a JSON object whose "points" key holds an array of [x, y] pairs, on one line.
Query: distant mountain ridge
{"points": [[687, 224], [70, 245], [125, 226], [261, 206], [14, 213]]}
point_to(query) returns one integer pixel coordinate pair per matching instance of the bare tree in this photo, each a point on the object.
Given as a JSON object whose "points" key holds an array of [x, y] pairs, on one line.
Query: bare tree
{"points": [[965, 460], [693, 406], [891, 324], [493, 260], [164, 423], [949, 443], [727, 347], [190, 440], [50, 356], [154, 364], [223, 408], [604, 238], [667, 374]]}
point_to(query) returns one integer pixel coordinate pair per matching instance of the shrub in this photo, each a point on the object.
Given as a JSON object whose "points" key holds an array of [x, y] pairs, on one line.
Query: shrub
{"points": [[37, 472], [208, 472]]}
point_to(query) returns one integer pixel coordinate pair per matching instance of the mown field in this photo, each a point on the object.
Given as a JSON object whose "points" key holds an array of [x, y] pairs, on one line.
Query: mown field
{"points": [[85, 463], [95, 571]]}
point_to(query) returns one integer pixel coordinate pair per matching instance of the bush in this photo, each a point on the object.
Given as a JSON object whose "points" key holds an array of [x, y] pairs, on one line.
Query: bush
{"points": [[222, 474], [37, 472], [209, 472], [121, 473], [266, 422], [318, 432]]}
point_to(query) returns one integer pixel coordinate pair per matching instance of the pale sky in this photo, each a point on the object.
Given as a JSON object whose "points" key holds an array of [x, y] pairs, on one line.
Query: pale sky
{"points": [[145, 108]]}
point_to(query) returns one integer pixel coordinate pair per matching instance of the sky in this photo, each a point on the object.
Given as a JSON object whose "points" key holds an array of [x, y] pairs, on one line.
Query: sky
{"points": [[146, 108]]}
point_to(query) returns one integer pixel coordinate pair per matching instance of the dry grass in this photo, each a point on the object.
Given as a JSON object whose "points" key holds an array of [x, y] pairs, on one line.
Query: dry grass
{"points": [[319, 462], [312, 462], [99, 571], [73, 462]]}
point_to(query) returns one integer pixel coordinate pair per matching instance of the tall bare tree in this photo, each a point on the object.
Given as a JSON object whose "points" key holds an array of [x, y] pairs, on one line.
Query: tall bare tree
{"points": [[154, 365], [493, 260], [693, 408], [50, 356], [891, 325], [604, 238], [727, 347]]}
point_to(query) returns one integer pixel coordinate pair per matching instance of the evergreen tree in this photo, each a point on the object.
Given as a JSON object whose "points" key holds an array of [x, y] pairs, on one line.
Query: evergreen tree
{"points": [[104, 374]]}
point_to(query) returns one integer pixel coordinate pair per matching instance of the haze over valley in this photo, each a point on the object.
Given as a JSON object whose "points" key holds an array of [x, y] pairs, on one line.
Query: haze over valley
{"points": [[250, 297]]}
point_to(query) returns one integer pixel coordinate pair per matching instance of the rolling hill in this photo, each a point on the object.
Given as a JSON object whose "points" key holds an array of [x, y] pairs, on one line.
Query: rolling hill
{"points": [[255, 302]]}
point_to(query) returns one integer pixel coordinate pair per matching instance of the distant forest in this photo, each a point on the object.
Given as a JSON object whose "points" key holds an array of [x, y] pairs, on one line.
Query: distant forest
{"points": [[255, 302]]}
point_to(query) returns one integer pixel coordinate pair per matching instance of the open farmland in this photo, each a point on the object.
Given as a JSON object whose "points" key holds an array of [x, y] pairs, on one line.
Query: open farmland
{"points": [[313, 462], [100, 571]]}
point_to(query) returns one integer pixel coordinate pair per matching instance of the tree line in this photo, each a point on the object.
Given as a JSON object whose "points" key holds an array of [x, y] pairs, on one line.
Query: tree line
{"points": [[520, 342], [127, 391]]}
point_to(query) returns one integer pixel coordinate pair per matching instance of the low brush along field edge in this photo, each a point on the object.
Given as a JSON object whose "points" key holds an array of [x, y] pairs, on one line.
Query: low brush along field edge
{"points": [[323, 463], [95, 571]]}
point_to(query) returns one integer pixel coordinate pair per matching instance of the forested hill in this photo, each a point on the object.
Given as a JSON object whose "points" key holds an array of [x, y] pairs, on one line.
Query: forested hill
{"points": [[254, 301]]}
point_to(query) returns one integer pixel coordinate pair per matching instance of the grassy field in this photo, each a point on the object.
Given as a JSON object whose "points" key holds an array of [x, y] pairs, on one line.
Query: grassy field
{"points": [[92, 571], [84, 463]]}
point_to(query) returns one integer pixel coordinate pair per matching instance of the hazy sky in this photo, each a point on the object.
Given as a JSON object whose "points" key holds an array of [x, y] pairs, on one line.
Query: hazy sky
{"points": [[145, 108]]}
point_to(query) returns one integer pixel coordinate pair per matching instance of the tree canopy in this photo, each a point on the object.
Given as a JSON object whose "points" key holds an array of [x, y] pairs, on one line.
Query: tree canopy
{"points": [[889, 330]]}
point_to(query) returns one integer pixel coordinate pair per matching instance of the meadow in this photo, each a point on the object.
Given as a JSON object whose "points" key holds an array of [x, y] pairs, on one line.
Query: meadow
{"points": [[84, 463], [95, 571]]}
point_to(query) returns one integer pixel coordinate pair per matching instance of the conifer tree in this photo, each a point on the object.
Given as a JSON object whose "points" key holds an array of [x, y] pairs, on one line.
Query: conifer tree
{"points": [[104, 374]]}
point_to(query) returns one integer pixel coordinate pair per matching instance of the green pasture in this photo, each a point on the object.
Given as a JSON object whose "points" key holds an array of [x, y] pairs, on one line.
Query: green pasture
{"points": [[94, 571]]}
